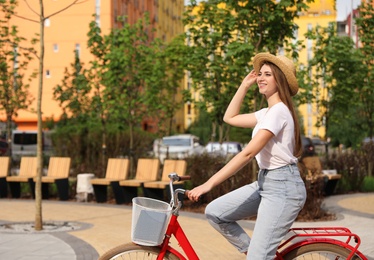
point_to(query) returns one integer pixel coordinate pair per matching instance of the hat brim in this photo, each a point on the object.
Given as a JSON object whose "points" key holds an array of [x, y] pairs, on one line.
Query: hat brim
{"points": [[283, 63]]}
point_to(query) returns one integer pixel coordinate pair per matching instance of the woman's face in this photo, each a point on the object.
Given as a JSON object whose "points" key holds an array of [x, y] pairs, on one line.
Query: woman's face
{"points": [[266, 81]]}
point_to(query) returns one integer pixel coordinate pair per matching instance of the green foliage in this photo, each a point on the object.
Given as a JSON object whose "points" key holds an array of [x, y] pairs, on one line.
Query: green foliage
{"points": [[337, 67], [365, 87], [368, 184], [163, 91], [222, 37], [82, 142], [15, 55], [354, 166], [132, 77], [202, 127], [202, 167], [73, 93]]}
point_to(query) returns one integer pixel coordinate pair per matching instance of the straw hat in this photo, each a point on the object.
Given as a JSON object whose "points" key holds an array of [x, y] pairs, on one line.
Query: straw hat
{"points": [[283, 63]]}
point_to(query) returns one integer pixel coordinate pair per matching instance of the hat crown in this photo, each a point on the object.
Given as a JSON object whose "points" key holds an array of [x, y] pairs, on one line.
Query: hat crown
{"points": [[285, 64], [289, 63]]}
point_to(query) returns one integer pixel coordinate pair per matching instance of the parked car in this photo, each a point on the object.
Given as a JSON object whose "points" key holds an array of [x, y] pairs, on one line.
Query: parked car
{"points": [[319, 145], [308, 147], [177, 147], [3, 147], [368, 140], [24, 143], [224, 149]]}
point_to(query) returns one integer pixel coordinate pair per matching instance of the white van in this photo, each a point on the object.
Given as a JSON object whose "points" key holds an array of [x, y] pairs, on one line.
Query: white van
{"points": [[177, 147], [24, 143]]}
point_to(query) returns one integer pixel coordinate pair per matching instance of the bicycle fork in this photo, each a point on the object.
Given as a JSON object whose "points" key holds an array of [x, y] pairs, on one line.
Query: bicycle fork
{"points": [[175, 229]]}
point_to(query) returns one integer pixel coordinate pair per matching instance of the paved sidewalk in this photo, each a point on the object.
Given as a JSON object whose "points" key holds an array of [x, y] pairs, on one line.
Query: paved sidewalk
{"points": [[103, 226]]}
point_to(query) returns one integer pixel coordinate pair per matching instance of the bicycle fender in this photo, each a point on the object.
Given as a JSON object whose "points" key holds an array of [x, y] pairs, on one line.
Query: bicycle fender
{"points": [[175, 252], [321, 240]]}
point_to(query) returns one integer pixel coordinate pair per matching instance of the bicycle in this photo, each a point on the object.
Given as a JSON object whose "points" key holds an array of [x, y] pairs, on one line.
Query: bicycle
{"points": [[155, 222]]}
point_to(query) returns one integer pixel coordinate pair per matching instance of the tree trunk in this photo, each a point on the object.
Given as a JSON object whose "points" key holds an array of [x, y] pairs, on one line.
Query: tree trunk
{"points": [[131, 154], [103, 142], [213, 136], [220, 133], [9, 134], [39, 152]]}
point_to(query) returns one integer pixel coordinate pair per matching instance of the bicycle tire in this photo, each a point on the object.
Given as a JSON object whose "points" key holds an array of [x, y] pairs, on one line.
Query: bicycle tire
{"points": [[133, 251], [320, 251]]}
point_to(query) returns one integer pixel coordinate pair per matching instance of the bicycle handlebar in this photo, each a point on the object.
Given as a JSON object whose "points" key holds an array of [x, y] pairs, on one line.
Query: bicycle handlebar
{"points": [[184, 178], [174, 193]]}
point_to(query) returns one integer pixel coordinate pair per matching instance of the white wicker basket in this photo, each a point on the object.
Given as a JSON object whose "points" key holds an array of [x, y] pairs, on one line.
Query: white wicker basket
{"points": [[150, 218]]}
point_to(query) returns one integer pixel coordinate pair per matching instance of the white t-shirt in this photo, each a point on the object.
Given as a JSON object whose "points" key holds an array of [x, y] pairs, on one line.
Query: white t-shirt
{"points": [[278, 151]]}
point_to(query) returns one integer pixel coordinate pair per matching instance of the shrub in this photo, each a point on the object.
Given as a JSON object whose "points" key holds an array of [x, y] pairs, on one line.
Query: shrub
{"points": [[202, 167], [84, 144], [368, 184]]}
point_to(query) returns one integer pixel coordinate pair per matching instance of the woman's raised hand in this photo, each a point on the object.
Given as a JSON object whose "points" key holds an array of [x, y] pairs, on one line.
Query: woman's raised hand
{"points": [[249, 80]]}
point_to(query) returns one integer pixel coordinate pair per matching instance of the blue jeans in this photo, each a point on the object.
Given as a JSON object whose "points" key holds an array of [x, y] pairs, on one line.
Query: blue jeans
{"points": [[276, 197]]}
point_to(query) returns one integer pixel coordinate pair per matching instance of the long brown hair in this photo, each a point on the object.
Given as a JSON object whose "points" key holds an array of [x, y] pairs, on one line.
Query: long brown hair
{"points": [[285, 96]]}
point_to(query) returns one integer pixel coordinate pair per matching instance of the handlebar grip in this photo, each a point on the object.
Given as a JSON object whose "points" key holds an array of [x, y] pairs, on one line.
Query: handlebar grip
{"points": [[184, 178]]}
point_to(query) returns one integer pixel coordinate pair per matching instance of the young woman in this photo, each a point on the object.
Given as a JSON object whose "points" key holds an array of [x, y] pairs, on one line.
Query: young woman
{"points": [[279, 192]]}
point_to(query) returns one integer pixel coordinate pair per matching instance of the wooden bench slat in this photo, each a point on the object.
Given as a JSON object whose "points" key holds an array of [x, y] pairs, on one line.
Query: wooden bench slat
{"points": [[117, 169], [147, 170]]}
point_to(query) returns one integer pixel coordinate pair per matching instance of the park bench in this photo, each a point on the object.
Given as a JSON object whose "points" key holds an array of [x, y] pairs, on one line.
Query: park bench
{"points": [[58, 173], [314, 172], [160, 189], [4, 171], [147, 170], [117, 170], [27, 171]]}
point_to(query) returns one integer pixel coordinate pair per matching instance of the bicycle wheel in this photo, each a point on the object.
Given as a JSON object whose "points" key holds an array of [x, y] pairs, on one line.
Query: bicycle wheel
{"points": [[133, 251], [320, 251]]}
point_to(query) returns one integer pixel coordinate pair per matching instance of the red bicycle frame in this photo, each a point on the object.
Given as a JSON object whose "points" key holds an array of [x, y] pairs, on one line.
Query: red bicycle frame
{"points": [[307, 235], [175, 229], [323, 235], [299, 236]]}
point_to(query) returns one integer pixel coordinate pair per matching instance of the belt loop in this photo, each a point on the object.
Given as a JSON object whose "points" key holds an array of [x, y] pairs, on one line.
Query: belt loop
{"points": [[290, 166]]}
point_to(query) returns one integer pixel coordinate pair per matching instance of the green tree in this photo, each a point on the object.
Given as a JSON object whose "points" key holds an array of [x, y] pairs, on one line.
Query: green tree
{"points": [[365, 23], [79, 104], [73, 92], [166, 81], [127, 71], [334, 73], [223, 36], [14, 61], [40, 55]]}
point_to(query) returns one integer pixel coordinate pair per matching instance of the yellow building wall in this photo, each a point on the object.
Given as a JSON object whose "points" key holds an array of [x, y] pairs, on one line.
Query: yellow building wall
{"points": [[321, 12], [63, 33], [169, 19], [168, 25], [70, 27], [68, 30]]}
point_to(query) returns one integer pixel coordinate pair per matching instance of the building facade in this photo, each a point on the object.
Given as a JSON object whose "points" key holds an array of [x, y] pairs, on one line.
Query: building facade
{"points": [[321, 12], [66, 32]]}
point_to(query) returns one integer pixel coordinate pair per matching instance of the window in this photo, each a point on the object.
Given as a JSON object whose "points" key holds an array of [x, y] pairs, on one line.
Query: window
{"points": [[55, 47], [48, 73], [78, 49], [47, 22], [97, 12], [188, 108]]}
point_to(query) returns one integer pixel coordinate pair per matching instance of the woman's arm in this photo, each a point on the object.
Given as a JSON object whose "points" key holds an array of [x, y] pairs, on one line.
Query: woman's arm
{"points": [[232, 116], [234, 165]]}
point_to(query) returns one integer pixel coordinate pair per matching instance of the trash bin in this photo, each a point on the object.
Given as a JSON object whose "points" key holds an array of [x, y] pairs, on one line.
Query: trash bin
{"points": [[84, 186]]}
